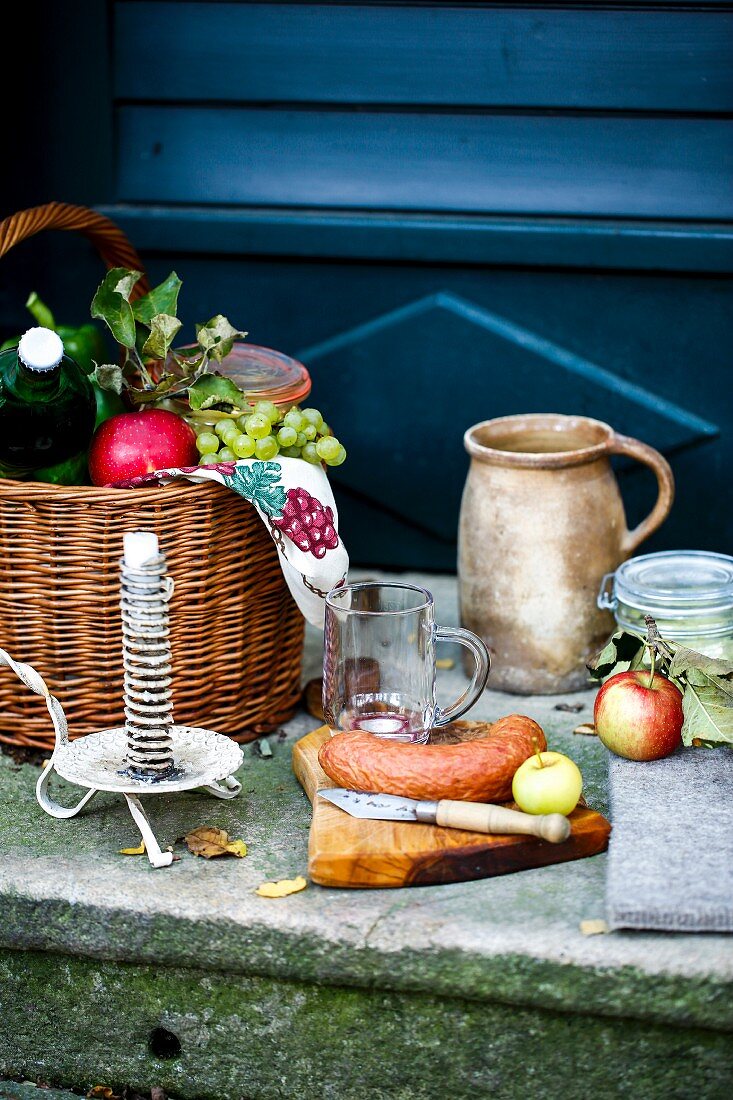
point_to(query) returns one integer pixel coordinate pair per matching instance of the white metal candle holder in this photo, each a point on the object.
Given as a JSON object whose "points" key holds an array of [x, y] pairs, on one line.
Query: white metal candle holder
{"points": [[149, 754]]}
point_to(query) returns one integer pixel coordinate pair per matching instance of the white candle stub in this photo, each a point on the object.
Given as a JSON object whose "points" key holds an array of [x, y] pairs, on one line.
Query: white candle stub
{"points": [[140, 547]]}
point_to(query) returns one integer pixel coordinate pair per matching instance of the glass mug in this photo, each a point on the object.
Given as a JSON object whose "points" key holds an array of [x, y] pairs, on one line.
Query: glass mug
{"points": [[379, 662]]}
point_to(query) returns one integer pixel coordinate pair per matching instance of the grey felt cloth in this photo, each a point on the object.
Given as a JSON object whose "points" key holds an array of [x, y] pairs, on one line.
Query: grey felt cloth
{"points": [[670, 863]]}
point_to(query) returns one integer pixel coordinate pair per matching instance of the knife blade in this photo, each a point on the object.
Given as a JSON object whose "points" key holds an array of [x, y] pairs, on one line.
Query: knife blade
{"points": [[384, 807], [477, 817]]}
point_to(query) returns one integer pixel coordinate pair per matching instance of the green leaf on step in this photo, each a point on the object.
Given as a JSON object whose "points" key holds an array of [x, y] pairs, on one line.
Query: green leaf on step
{"points": [[621, 652], [708, 713], [161, 299], [108, 376], [163, 330], [259, 483], [111, 304], [215, 390], [217, 337]]}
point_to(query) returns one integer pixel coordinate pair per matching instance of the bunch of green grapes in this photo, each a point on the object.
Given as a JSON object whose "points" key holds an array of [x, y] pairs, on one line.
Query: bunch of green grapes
{"points": [[268, 431]]}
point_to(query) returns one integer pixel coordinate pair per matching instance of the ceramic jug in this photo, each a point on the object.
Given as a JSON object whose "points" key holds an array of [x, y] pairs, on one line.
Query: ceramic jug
{"points": [[542, 522]]}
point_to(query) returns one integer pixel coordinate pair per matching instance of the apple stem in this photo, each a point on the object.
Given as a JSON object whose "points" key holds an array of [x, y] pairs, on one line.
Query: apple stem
{"points": [[538, 754]]}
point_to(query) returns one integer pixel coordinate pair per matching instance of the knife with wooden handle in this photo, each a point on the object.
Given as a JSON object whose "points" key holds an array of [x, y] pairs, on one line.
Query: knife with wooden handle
{"points": [[477, 817]]}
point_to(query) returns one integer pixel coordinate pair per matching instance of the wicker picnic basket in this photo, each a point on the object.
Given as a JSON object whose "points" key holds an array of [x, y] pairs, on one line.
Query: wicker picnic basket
{"points": [[236, 632]]}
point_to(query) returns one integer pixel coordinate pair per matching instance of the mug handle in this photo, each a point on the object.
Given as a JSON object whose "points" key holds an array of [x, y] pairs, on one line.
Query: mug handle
{"points": [[625, 445], [478, 680]]}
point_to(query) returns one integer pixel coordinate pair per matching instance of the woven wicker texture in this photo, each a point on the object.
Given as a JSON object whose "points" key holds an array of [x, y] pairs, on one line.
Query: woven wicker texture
{"points": [[236, 632], [109, 240]]}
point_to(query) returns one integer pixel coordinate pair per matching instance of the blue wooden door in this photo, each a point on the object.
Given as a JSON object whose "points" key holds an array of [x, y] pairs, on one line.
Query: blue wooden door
{"points": [[450, 212]]}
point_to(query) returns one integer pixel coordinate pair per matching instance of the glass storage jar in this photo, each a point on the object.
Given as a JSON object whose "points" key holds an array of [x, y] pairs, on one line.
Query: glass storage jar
{"points": [[263, 373], [688, 592]]}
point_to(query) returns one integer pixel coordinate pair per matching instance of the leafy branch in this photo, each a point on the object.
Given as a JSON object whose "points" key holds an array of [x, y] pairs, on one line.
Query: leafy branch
{"points": [[706, 683], [146, 328]]}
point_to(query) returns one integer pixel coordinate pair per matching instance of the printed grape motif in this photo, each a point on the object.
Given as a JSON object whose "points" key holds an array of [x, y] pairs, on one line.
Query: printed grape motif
{"points": [[307, 523]]}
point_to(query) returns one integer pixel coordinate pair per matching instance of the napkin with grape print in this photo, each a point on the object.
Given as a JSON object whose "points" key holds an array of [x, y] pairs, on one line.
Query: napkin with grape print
{"points": [[294, 500]]}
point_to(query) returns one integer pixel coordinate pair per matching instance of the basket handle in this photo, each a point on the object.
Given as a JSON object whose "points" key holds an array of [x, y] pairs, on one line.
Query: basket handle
{"points": [[109, 240]]}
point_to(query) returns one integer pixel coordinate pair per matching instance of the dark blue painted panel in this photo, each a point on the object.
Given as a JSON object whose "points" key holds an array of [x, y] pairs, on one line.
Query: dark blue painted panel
{"points": [[432, 349], [485, 55], [539, 164], [429, 317], [493, 363], [559, 242]]}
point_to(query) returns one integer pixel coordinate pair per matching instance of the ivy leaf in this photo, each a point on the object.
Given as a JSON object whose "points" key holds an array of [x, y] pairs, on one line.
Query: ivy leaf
{"points": [[686, 660], [108, 376], [189, 359], [111, 304], [126, 280], [259, 483], [169, 386], [216, 390], [208, 841], [163, 329], [708, 713], [161, 299], [621, 652], [217, 337]]}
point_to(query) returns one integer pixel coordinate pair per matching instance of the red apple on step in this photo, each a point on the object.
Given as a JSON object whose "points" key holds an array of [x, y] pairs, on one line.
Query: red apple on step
{"points": [[137, 443], [639, 717]]}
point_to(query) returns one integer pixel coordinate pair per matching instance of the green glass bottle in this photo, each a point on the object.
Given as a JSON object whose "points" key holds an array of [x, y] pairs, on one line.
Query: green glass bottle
{"points": [[47, 410]]}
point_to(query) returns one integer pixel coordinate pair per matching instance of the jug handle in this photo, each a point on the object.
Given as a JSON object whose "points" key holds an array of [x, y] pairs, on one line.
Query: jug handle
{"points": [[625, 445]]}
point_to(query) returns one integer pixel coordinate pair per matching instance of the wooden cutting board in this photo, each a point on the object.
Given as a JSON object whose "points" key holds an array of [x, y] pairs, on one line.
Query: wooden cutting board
{"points": [[347, 851]]}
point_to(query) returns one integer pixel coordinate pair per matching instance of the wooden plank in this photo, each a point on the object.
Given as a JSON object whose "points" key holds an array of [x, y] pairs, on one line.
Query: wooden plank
{"points": [[479, 56], [348, 852], [442, 238], [475, 163]]}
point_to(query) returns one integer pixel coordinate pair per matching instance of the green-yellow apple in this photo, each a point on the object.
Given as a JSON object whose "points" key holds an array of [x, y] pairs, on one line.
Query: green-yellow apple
{"points": [[547, 783], [638, 717]]}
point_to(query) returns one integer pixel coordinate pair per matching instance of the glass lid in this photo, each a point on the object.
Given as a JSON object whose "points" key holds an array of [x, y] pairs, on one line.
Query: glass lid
{"points": [[686, 581], [266, 374]]}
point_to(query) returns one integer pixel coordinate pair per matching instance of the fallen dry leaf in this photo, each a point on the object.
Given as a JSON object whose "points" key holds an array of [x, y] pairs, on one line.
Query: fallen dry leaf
{"points": [[208, 841], [587, 729], [131, 852], [593, 927], [282, 888]]}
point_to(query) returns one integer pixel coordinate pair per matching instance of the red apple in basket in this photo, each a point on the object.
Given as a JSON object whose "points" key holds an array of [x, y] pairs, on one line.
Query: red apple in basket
{"points": [[137, 443], [639, 717]]}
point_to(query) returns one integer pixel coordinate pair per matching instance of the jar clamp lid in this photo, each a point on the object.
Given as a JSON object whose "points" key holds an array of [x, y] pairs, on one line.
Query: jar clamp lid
{"points": [[679, 584], [265, 374]]}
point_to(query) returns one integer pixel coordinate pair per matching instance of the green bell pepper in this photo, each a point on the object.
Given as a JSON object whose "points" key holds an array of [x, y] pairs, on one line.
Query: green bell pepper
{"points": [[72, 471], [84, 344]]}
